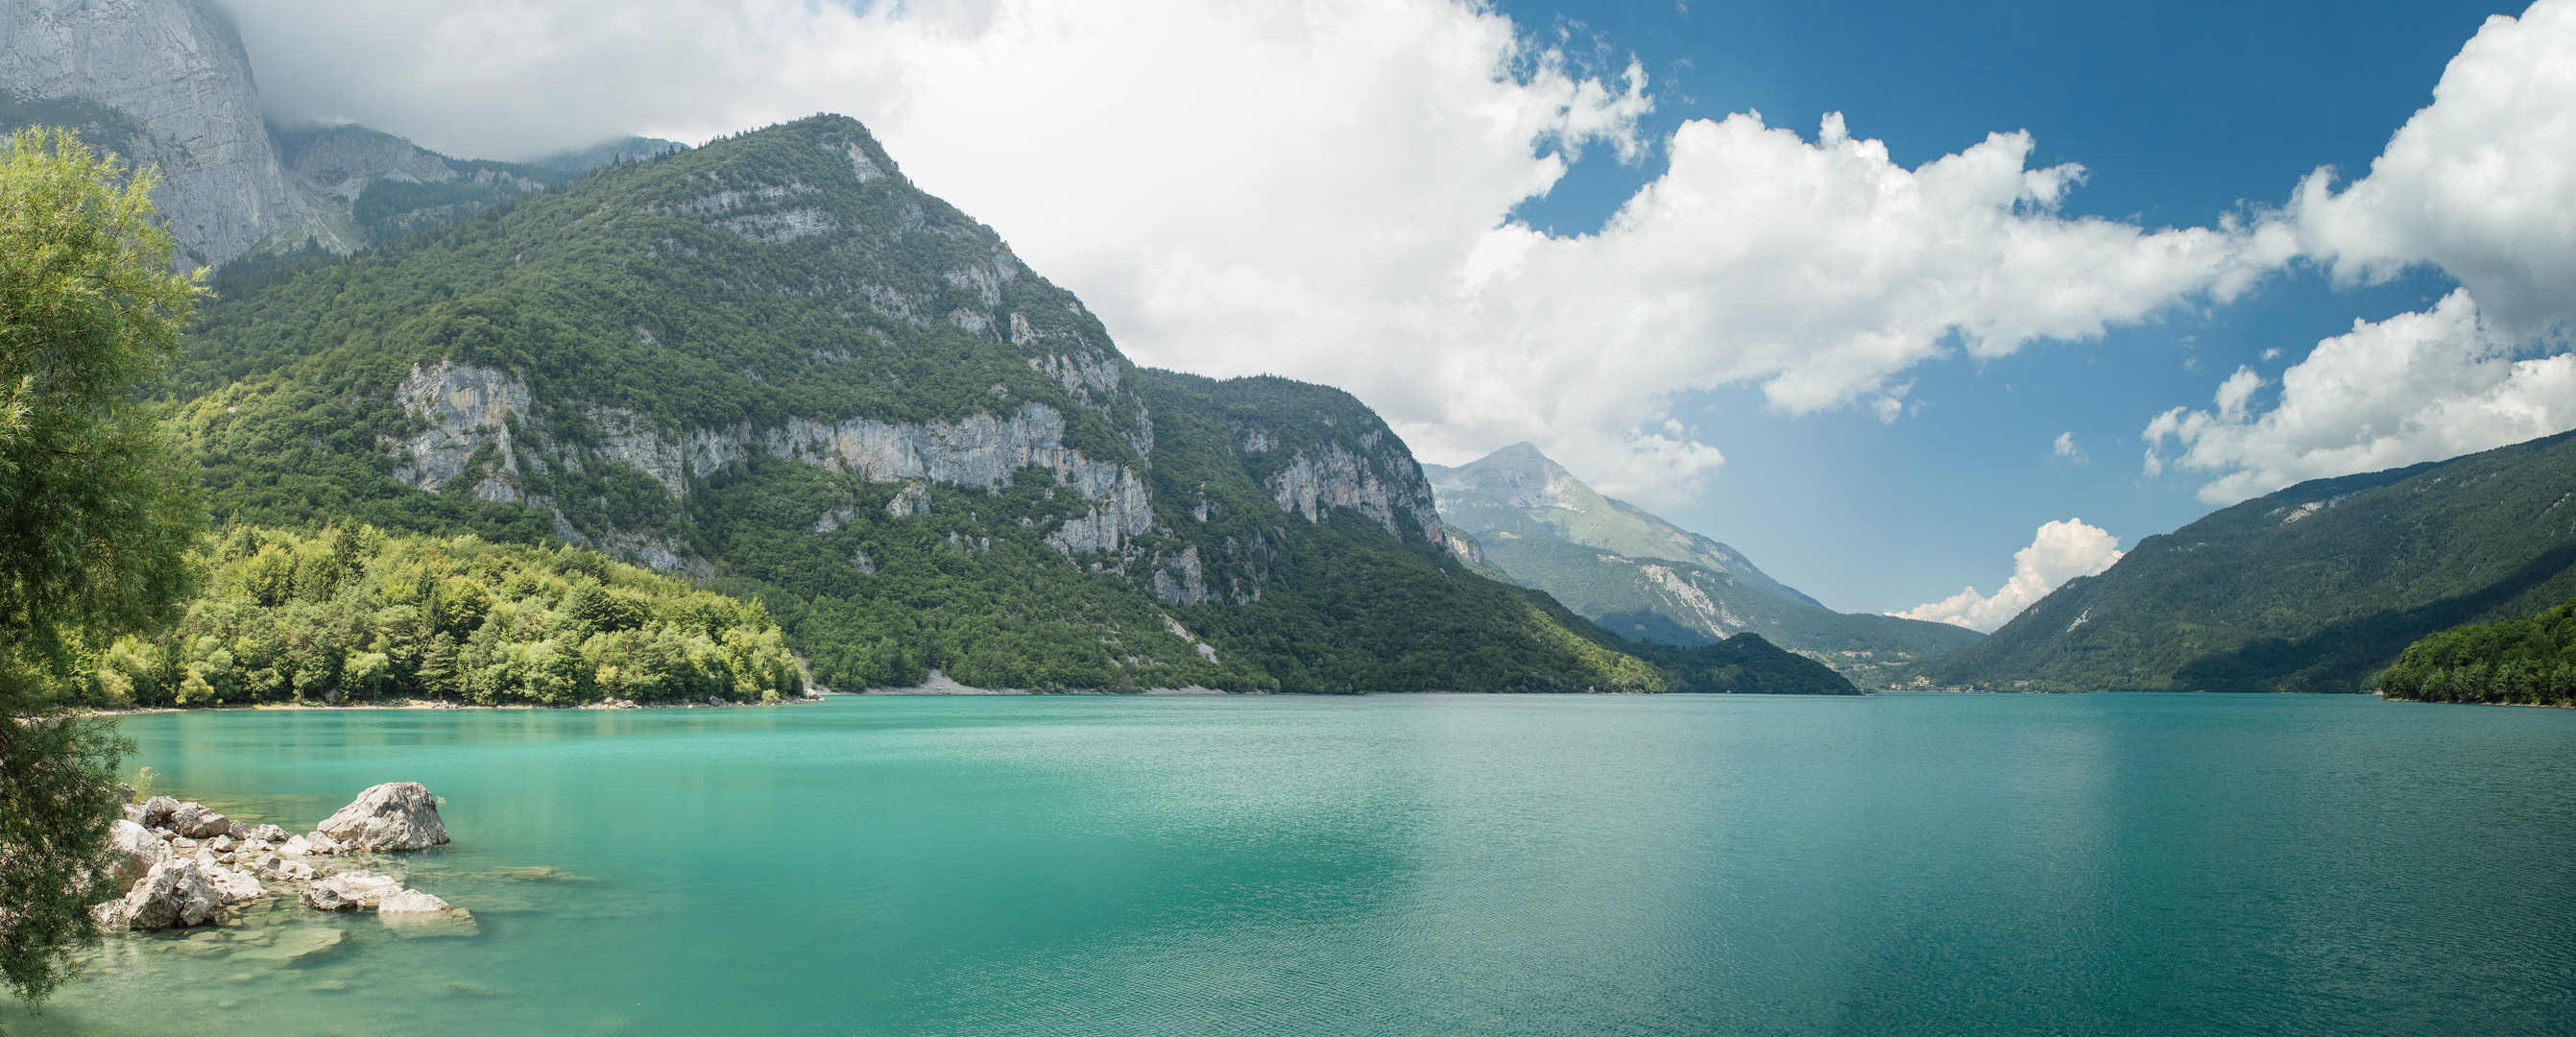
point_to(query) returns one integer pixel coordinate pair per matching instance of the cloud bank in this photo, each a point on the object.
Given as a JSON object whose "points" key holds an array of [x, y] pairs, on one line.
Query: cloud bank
{"points": [[1320, 188], [2480, 184], [2061, 551]]}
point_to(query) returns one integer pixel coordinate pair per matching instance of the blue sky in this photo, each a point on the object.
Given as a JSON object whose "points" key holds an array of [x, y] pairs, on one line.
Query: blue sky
{"points": [[2178, 112], [1855, 366]]}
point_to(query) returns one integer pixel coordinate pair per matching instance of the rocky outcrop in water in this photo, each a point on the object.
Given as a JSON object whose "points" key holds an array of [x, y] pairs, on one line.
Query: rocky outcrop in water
{"points": [[173, 894], [397, 815], [176, 880]]}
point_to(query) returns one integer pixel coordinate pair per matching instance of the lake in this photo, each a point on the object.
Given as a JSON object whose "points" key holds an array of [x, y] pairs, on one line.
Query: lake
{"points": [[2096, 864]]}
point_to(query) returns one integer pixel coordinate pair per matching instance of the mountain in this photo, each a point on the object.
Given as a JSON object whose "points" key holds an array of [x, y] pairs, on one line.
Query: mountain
{"points": [[369, 187], [2315, 588], [1641, 576], [164, 82], [777, 366]]}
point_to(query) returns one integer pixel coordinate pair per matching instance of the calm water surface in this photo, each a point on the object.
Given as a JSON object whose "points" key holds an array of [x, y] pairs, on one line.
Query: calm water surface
{"points": [[2102, 864]]}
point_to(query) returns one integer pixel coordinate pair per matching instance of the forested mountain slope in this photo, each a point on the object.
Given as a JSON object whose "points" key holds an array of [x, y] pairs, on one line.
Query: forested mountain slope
{"points": [[1641, 576], [774, 364], [2315, 588]]}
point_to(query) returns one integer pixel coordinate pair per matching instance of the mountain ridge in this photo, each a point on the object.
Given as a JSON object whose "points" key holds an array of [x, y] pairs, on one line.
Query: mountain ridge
{"points": [[776, 364], [2316, 587], [1635, 573]]}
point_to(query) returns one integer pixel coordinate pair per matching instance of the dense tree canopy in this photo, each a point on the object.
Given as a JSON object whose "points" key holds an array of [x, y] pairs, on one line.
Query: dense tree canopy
{"points": [[97, 515]]}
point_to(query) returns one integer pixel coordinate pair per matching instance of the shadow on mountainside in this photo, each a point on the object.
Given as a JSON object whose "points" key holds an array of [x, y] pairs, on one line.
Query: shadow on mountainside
{"points": [[2343, 656]]}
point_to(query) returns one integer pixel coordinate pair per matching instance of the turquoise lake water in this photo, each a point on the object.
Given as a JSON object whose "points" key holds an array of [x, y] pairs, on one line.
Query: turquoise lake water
{"points": [[2099, 864]]}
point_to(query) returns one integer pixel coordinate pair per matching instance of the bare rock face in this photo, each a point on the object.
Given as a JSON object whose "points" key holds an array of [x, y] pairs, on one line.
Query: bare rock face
{"points": [[173, 895], [177, 67], [1336, 477], [137, 851], [399, 815]]}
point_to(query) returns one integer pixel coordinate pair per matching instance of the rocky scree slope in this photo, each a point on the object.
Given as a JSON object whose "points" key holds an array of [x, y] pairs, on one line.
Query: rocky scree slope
{"points": [[1634, 573], [2315, 588], [776, 365]]}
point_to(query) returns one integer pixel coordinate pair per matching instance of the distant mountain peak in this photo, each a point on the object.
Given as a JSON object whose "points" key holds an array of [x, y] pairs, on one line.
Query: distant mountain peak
{"points": [[1636, 573], [1518, 476]]}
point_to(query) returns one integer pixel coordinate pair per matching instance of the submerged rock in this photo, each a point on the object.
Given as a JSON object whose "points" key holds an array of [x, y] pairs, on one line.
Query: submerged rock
{"points": [[300, 942], [398, 815]]}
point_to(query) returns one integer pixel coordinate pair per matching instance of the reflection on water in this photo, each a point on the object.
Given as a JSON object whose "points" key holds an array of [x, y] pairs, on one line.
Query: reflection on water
{"points": [[2112, 864]]}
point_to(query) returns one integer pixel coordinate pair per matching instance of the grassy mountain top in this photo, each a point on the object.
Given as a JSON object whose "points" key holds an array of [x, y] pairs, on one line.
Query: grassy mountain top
{"points": [[2315, 588]]}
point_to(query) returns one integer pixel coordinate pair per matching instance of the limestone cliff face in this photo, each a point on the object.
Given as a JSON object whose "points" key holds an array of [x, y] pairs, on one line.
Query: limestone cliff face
{"points": [[1335, 476], [465, 411], [176, 66]]}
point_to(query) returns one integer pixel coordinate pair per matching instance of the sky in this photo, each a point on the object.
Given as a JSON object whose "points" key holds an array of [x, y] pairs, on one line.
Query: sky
{"points": [[1896, 298]]}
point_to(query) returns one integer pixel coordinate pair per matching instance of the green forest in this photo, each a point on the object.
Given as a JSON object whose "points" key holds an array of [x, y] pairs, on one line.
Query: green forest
{"points": [[2528, 661], [352, 614], [2315, 588], [793, 275]]}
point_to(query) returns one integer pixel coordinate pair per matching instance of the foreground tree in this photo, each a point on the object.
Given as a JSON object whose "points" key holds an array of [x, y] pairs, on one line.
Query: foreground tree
{"points": [[97, 516]]}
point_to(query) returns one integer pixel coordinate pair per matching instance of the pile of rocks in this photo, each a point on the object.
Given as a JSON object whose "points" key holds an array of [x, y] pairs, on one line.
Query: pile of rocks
{"points": [[184, 863]]}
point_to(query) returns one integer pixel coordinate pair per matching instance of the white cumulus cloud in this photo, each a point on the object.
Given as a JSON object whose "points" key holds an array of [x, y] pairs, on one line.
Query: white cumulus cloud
{"points": [[1321, 189], [2415, 387], [2480, 184], [2059, 552]]}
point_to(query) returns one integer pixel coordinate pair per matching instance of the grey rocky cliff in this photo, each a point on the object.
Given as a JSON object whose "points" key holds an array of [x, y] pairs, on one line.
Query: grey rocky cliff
{"points": [[462, 409], [178, 67], [1318, 481]]}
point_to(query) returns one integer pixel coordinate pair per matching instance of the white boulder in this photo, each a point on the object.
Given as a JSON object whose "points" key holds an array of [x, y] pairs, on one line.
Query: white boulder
{"points": [[409, 901], [156, 811], [195, 821], [398, 815], [137, 850], [232, 885], [174, 894], [350, 890]]}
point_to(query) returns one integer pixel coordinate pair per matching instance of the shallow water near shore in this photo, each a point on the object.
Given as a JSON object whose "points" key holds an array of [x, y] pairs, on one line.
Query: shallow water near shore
{"points": [[2101, 864]]}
